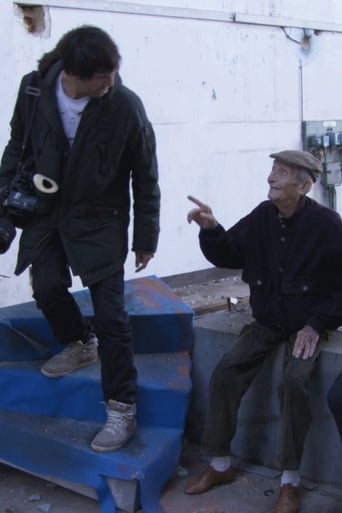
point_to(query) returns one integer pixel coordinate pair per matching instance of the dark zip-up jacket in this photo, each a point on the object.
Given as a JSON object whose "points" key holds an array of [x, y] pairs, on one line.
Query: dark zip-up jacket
{"points": [[292, 266], [114, 146]]}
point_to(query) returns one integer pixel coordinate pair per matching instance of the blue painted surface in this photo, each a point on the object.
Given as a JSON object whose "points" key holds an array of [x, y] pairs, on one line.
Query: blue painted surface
{"points": [[161, 322], [59, 448], [46, 424], [163, 379]]}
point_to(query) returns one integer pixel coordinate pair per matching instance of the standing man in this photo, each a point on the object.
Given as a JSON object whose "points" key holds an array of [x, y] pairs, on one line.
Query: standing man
{"points": [[290, 251], [91, 139]]}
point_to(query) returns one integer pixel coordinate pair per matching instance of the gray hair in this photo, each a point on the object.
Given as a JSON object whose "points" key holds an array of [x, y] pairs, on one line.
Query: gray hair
{"points": [[304, 175]]}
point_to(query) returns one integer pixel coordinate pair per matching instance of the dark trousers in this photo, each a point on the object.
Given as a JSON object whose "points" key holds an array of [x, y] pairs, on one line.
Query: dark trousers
{"points": [[51, 279], [231, 379], [335, 402]]}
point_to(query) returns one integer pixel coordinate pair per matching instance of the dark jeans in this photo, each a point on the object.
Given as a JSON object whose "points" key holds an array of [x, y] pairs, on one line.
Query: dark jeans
{"points": [[231, 379], [51, 279], [335, 402]]}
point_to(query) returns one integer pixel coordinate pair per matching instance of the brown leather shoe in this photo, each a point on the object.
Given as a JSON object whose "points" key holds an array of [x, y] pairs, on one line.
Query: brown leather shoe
{"points": [[209, 478], [288, 500]]}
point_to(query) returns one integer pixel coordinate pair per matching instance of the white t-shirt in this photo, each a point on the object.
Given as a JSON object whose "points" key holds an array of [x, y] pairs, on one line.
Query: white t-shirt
{"points": [[70, 110]]}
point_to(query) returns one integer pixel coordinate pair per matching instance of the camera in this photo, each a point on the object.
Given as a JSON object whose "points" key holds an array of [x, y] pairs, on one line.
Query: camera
{"points": [[29, 193], [22, 197]]}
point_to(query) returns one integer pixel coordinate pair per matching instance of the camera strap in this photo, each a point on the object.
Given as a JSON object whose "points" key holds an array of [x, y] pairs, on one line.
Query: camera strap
{"points": [[33, 92]]}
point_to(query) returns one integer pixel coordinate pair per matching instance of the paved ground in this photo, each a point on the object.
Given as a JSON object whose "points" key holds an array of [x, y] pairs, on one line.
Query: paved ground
{"points": [[253, 492]]}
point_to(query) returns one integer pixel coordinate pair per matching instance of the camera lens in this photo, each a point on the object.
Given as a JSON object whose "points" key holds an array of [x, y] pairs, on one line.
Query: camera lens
{"points": [[7, 234]]}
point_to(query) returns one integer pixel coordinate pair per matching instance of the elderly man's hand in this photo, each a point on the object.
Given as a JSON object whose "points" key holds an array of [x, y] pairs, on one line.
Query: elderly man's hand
{"points": [[202, 215], [305, 343]]}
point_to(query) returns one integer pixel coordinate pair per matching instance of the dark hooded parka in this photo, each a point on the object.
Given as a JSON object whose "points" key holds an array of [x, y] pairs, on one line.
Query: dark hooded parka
{"points": [[114, 149]]}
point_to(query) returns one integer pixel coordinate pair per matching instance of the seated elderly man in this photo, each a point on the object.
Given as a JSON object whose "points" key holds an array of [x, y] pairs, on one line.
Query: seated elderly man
{"points": [[290, 251]]}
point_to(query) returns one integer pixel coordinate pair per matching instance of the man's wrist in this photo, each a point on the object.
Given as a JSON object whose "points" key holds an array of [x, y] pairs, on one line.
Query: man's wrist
{"points": [[212, 226]]}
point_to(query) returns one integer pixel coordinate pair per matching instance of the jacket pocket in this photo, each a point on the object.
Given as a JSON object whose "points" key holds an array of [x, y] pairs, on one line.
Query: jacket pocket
{"points": [[94, 212], [254, 280], [301, 285]]}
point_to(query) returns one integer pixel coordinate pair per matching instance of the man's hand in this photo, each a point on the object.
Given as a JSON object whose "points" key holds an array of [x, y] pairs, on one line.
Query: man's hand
{"points": [[202, 215], [305, 343], [141, 260]]}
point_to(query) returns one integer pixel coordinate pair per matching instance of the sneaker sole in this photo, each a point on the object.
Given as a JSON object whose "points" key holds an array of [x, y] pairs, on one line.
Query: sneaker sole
{"points": [[112, 448], [49, 374]]}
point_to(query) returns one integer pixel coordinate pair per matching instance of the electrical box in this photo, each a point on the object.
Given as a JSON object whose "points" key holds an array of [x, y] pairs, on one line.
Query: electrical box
{"points": [[324, 140]]}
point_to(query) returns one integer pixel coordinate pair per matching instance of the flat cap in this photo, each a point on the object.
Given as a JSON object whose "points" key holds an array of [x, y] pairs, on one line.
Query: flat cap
{"points": [[301, 159]]}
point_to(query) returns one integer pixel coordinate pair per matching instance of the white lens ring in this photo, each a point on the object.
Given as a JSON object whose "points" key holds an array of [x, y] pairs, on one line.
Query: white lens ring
{"points": [[44, 184]]}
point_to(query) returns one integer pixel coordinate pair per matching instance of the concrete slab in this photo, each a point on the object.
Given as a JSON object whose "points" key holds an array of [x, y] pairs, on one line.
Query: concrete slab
{"points": [[256, 439], [51, 437]]}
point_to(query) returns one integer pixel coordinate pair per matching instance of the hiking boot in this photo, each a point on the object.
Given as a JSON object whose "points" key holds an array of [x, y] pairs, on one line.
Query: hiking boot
{"points": [[74, 356], [120, 426]]}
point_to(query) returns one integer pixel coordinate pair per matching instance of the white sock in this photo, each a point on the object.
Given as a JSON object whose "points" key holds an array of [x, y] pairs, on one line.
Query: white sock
{"points": [[220, 463], [290, 477]]}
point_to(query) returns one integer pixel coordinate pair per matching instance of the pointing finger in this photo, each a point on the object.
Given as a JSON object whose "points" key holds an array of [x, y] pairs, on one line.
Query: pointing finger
{"points": [[196, 201]]}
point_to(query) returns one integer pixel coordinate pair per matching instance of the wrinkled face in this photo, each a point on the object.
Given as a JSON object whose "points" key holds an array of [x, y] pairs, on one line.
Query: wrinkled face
{"points": [[284, 185], [96, 86]]}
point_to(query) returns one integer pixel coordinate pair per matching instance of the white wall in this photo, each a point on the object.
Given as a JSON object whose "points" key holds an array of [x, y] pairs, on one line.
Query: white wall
{"points": [[221, 95]]}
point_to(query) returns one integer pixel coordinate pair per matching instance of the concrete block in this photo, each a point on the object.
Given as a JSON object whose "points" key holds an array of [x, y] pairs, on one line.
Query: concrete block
{"points": [[256, 439]]}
